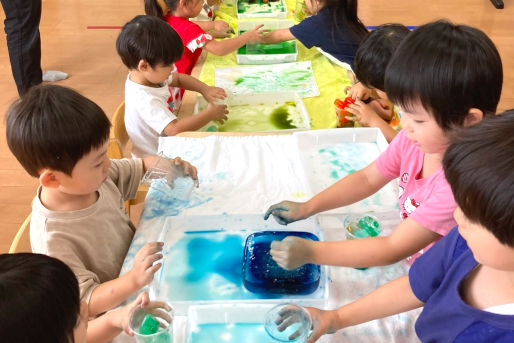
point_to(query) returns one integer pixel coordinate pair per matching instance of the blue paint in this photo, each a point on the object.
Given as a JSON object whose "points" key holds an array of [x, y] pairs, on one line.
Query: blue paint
{"points": [[261, 274], [231, 333], [163, 204]]}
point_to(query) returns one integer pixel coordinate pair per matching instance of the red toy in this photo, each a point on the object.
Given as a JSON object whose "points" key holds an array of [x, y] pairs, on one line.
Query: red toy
{"points": [[342, 113]]}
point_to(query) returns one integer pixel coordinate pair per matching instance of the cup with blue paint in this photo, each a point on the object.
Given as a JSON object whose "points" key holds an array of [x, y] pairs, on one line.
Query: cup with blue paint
{"points": [[288, 323], [150, 328]]}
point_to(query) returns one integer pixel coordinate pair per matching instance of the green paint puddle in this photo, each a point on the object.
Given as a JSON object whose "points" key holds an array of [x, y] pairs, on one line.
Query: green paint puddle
{"points": [[259, 6], [280, 118], [287, 47]]}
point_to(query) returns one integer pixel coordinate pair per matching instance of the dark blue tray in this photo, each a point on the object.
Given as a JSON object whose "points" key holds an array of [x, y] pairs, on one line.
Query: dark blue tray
{"points": [[261, 274]]}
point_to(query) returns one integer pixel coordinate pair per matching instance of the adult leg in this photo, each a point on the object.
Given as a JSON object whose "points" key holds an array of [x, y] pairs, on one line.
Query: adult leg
{"points": [[23, 41]]}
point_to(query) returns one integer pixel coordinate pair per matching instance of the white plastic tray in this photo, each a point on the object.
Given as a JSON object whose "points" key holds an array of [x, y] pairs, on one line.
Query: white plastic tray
{"points": [[278, 14], [256, 99], [261, 58]]}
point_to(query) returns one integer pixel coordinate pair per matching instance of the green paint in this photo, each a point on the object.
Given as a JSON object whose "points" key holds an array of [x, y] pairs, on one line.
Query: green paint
{"points": [[280, 118], [287, 47], [334, 174], [370, 225], [259, 6], [149, 325]]}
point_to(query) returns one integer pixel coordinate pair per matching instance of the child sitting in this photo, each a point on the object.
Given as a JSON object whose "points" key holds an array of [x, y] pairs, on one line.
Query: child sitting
{"points": [[149, 47], [334, 27], [78, 214], [465, 282], [371, 61], [40, 302], [444, 77], [194, 38]]}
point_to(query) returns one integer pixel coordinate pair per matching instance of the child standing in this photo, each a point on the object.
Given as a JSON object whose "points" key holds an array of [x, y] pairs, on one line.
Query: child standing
{"points": [[371, 61], [466, 281], [194, 38], [40, 301], [334, 27], [438, 92], [149, 47], [78, 214]]}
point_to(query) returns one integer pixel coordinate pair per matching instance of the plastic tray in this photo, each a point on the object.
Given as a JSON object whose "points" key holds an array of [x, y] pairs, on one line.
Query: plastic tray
{"points": [[257, 99], [266, 58], [279, 12]]}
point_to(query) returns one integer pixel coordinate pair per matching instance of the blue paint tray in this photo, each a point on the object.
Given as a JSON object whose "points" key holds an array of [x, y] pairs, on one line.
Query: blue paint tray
{"points": [[261, 274]]}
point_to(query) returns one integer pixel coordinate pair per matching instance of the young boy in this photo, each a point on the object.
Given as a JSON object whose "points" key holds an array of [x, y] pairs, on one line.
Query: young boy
{"points": [[466, 281], [371, 61], [78, 214], [148, 46]]}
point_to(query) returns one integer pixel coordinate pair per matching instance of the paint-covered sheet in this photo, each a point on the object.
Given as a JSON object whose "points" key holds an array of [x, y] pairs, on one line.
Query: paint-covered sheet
{"points": [[246, 174]]}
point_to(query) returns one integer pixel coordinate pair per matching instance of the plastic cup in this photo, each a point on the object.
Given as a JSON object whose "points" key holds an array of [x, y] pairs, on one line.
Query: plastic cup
{"points": [[139, 323], [288, 323], [361, 226]]}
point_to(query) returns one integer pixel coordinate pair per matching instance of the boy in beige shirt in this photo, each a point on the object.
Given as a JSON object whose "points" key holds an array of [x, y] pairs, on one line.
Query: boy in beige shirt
{"points": [[78, 215]]}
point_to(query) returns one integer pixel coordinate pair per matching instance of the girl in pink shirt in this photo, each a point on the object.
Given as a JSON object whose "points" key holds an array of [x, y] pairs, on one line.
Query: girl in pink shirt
{"points": [[177, 14], [444, 77]]}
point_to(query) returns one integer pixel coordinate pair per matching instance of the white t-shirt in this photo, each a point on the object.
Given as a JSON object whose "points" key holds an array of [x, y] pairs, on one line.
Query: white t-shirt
{"points": [[148, 110]]}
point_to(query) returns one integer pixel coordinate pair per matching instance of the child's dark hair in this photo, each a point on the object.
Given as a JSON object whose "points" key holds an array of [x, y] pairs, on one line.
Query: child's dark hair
{"points": [[479, 166], [449, 69], [54, 127], [39, 299], [151, 39], [345, 12], [159, 8], [375, 52]]}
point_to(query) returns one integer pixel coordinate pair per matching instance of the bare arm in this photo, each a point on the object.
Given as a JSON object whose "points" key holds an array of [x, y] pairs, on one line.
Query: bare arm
{"points": [[277, 36], [226, 46], [111, 293], [188, 82], [392, 298], [194, 122]]}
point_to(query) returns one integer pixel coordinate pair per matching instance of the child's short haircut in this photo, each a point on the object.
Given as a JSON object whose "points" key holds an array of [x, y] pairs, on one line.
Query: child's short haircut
{"points": [[375, 52], [479, 166], [151, 39], [54, 127], [449, 69], [39, 299]]}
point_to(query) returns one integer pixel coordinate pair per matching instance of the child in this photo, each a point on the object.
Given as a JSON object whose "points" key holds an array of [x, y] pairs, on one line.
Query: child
{"points": [[443, 76], [39, 298], [149, 47], [194, 37], [78, 214], [334, 27], [466, 281], [371, 61]]}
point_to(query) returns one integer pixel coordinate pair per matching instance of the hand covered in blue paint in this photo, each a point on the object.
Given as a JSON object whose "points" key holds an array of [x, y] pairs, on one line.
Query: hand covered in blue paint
{"points": [[144, 268], [292, 252], [323, 322], [286, 212]]}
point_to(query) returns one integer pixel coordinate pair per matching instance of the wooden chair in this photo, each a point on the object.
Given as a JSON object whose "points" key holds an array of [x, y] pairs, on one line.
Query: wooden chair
{"points": [[117, 143], [21, 242]]}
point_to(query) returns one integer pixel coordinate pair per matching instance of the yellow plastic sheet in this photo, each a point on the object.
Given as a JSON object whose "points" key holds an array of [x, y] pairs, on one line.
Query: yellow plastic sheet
{"points": [[331, 79]]}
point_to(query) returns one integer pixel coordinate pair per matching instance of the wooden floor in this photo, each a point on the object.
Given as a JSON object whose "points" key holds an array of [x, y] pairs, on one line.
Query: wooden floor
{"points": [[89, 56]]}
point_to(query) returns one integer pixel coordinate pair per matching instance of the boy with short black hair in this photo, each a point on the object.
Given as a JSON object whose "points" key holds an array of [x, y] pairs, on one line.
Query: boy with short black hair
{"points": [[78, 214], [149, 47], [466, 281]]}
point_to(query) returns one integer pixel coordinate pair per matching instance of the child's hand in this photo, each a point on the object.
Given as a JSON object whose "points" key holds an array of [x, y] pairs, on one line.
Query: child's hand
{"points": [[186, 168], [143, 270], [155, 308], [286, 212], [323, 322], [217, 112], [383, 107], [212, 94], [292, 252], [222, 26], [254, 35], [359, 91], [362, 113]]}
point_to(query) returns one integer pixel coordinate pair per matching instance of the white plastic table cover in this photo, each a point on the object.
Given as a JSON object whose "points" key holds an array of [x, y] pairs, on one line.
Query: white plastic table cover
{"points": [[246, 174]]}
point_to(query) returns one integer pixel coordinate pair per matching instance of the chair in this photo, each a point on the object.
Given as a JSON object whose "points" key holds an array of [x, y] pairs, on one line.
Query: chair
{"points": [[117, 143], [21, 242]]}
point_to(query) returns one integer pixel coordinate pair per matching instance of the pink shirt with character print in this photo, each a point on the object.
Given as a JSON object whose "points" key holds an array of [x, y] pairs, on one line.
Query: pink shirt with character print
{"points": [[429, 201]]}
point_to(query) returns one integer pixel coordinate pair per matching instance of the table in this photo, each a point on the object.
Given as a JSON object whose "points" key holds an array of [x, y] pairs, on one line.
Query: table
{"points": [[274, 167]]}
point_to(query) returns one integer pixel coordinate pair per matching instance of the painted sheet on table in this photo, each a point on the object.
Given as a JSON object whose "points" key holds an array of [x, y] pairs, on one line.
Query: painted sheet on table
{"points": [[285, 77]]}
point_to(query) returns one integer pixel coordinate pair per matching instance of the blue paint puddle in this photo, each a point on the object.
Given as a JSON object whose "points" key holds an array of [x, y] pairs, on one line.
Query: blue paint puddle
{"points": [[161, 203], [231, 333]]}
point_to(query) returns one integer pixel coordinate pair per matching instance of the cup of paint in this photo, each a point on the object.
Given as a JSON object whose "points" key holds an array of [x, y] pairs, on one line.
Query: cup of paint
{"points": [[288, 323], [361, 226], [148, 328]]}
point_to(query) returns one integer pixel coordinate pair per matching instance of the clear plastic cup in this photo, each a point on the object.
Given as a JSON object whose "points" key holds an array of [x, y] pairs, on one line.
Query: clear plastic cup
{"points": [[361, 226], [288, 323], [141, 326]]}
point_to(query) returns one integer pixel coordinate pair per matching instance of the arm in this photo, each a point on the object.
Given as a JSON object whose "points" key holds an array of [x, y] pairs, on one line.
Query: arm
{"points": [[367, 116], [407, 238], [194, 122], [211, 94], [392, 298], [277, 36], [227, 46]]}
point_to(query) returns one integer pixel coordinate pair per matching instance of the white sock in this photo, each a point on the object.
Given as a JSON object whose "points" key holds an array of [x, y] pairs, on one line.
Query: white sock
{"points": [[54, 75]]}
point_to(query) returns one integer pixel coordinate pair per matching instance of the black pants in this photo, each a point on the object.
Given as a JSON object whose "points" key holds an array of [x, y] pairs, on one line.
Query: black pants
{"points": [[23, 41]]}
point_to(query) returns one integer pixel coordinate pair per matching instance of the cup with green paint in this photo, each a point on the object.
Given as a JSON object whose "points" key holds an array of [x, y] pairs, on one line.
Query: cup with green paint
{"points": [[150, 328]]}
